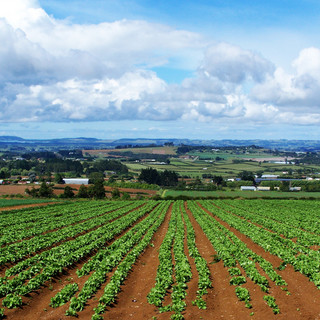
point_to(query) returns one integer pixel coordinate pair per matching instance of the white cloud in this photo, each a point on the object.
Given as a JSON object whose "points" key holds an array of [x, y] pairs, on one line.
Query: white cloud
{"points": [[299, 91], [52, 70], [118, 46], [230, 63]]}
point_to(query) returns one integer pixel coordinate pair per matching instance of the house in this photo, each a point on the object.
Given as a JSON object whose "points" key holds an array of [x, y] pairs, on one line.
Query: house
{"points": [[76, 181], [248, 188]]}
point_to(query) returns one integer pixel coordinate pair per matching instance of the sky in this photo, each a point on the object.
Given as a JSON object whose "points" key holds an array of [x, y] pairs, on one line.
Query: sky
{"points": [[200, 69]]}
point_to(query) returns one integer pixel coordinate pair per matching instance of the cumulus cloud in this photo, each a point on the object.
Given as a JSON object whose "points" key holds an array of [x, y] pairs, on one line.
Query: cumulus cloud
{"points": [[298, 91], [53, 70], [230, 63], [75, 99], [118, 46]]}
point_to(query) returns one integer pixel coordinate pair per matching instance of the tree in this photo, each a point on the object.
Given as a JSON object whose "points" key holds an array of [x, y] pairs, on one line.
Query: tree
{"points": [[68, 193], [45, 191], [125, 196], [96, 177], [259, 173], [111, 180], [98, 190], [32, 176], [58, 178], [218, 180], [83, 192], [150, 176], [115, 193], [246, 176], [2, 174], [285, 186], [168, 178]]}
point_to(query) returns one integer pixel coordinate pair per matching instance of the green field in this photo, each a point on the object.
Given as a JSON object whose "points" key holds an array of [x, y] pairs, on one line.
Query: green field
{"points": [[225, 168], [241, 194], [229, 155], [94, 259], [16, 202]]}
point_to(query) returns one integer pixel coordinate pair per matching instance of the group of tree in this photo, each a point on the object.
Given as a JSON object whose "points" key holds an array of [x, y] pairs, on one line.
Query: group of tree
{"points": [[161, 178], [53, 165], [94, 191], [45, 191]]}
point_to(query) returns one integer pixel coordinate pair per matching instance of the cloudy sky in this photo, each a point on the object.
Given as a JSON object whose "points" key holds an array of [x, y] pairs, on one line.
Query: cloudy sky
{"points": [[205, 69]]}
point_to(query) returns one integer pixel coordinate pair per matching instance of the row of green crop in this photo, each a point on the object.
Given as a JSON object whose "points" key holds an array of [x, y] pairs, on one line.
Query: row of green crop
{"points": [[107, 259], [300, 214], [235, 254], [44, 266], [22, 249], [18, 250], [113, 287], [41, 220], [204, 281], [176, 274], [303, 259], [287, 228]]}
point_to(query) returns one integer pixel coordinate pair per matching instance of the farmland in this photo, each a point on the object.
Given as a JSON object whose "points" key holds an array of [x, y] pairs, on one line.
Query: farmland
{"points": [[237, 259], [240, 194], [226, 167]]}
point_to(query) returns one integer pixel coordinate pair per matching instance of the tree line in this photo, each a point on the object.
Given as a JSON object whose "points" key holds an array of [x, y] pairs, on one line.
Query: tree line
{"points": [[161, 178]]}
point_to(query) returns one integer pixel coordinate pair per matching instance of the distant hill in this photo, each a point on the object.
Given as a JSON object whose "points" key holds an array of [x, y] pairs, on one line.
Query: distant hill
{"points": [[10, 138], [94, 143]]}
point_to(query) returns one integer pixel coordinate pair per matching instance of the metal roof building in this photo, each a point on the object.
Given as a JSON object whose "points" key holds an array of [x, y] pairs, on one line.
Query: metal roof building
{"points": [[76, 181]]}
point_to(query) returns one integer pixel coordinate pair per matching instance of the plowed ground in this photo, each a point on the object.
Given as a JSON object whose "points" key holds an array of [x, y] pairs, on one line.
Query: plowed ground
{"points": [[222, 303]]}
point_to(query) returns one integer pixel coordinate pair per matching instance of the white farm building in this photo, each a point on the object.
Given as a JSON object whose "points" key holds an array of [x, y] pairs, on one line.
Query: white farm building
{"points": [[75, 181], [248, 188]]}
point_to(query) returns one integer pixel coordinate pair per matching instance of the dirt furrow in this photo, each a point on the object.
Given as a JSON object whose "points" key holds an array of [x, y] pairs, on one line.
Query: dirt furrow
{"points": [[222, 302], [132, 301]]}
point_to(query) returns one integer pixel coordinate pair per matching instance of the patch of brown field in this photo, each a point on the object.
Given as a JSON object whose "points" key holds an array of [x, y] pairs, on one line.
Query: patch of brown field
{"points": [[20, 189], [14, 189]]}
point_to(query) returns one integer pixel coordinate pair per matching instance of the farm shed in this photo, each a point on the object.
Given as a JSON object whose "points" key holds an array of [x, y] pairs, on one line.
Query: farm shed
{"points": [[263, 188], [248, 188], [295, 188], [76, 181]]}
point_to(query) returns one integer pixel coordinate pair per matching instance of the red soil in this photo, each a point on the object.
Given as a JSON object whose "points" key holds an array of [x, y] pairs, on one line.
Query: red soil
{"points": [[20, 189]]}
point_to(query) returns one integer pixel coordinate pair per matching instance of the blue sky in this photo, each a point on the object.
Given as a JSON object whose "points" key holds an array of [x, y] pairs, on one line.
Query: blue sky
{"points": [[160, 69]]}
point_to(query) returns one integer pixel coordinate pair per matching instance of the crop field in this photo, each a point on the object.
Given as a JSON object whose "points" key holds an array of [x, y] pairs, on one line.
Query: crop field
{"points": [[17, 202], [204, 259], [225, 168], [242, 194]]}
